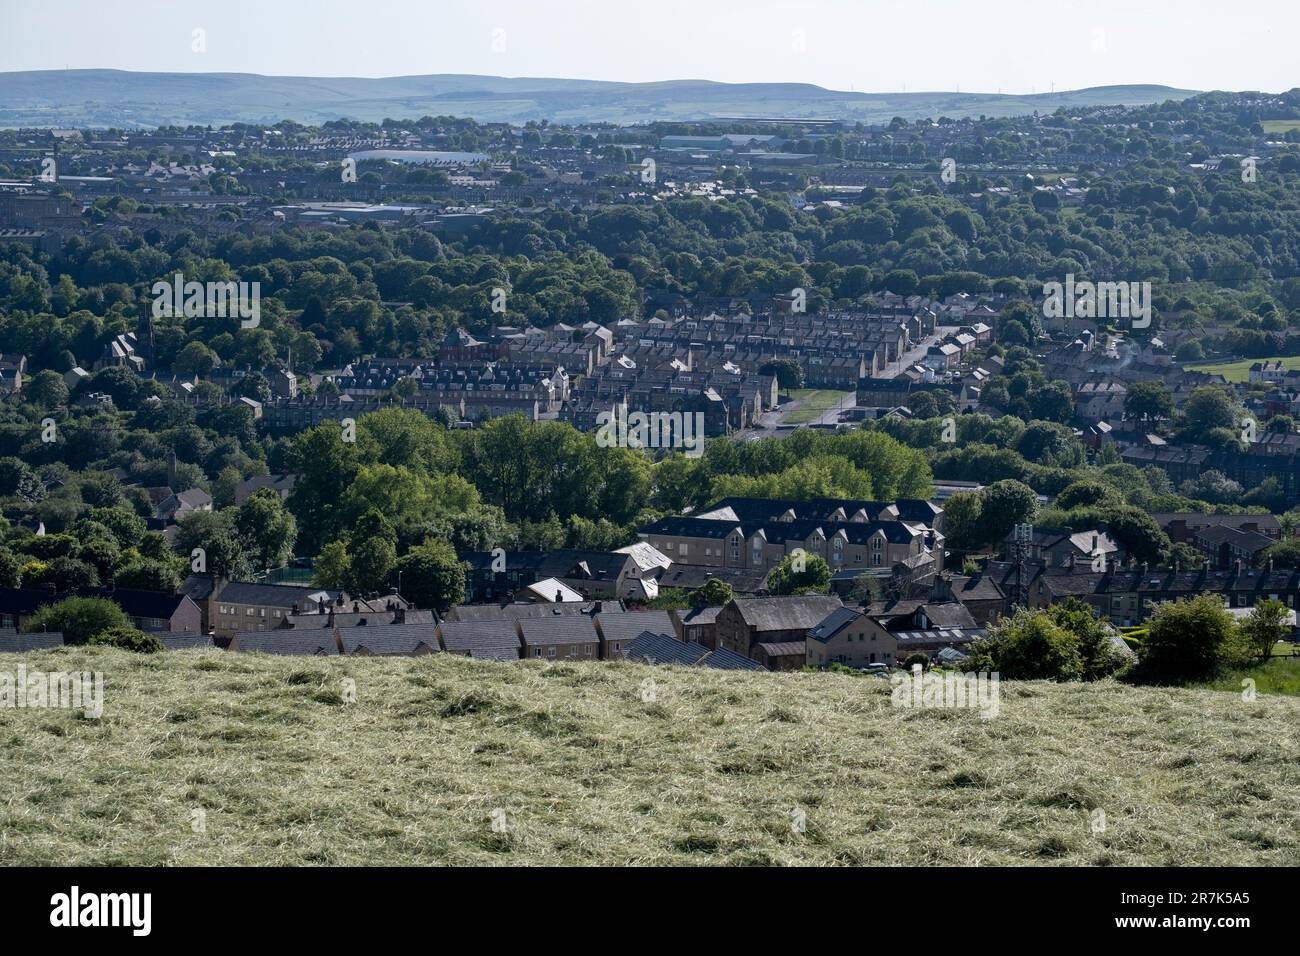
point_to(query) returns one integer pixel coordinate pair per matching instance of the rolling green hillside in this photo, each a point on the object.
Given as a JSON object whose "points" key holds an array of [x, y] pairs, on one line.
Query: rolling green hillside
{"points": [[126, 99], [215, 758]]}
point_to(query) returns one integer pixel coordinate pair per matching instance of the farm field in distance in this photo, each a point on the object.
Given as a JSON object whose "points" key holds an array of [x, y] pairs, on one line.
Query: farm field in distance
{"points": [[1239, 370]]}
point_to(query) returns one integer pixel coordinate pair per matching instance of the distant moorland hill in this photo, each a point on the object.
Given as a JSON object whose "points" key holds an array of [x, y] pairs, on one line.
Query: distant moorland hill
{"points": [[124, 99]]}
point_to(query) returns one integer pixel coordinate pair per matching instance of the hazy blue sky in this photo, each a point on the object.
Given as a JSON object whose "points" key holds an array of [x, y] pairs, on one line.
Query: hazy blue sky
{"points": [[969, 45]]}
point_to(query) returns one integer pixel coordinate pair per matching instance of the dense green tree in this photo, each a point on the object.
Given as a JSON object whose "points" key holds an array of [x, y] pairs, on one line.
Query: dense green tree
{"points": [[1148, 401], [800, 574], [1006, 504], [128, 638], [1029, 645], [432, 576], [1187, 640], [267, 528], [712, 593], [78, 619], [145, 574], [1265, 626], [220, 546]]}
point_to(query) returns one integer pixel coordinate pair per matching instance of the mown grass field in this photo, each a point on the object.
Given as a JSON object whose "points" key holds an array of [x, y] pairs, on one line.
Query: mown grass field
{"points": [[1279, 126], [576, 766], [1239, 371], [815, 402]]}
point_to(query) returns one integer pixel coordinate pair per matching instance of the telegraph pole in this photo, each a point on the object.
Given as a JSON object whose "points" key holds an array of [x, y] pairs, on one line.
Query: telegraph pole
{"points": [[1022, 538]]}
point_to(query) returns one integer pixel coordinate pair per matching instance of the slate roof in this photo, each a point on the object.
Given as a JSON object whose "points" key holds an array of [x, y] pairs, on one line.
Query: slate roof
{"points": [[1194, 520], [1155, 581], [625, 627], [271, 595], [742, 580], [651, 648], [1043, 537], [916, 510], [978, 588], [414, 615], [800, 529], [281, 483], [194, 498], [183, 642], [698, 616], [679, 526], [564, 563], [12, 642], [483, 640], [725, 660], [948, 615], [286, 641], [23, 600], [389, 640], [316, 620], [197, 587], [782, 648], [881, 610], [568, 629], [1248, 541], [518, 612], [801, 612]]}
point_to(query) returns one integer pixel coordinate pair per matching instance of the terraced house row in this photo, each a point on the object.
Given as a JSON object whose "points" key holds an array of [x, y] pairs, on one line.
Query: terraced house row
{"points": [[758, 533]]}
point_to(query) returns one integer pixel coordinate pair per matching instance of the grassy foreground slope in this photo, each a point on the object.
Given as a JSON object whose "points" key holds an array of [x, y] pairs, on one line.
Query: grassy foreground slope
{"points": [[586, 771]]}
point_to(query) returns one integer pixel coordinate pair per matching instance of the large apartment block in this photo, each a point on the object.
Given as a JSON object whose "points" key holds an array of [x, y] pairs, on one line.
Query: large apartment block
{"points": [[758, 534]]}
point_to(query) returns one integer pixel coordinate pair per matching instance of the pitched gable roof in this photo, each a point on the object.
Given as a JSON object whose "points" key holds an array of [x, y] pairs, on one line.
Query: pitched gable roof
{"points": [[285, 641], [484, 640], [725, 660], [568, 629], [273, 595], [389, 640], [651, 648], [516, 612], [782, 648], [626, 626], [800, 612]]}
